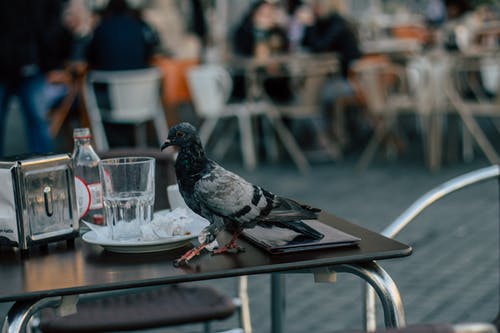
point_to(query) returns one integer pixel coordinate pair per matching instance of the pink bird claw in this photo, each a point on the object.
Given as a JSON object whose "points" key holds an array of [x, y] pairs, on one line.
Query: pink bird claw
{"points": [[184, 260], [229, 247]]}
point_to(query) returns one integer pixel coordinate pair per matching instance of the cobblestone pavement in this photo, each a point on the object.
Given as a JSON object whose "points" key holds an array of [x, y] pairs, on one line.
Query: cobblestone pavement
{"points": [[452, 275]]}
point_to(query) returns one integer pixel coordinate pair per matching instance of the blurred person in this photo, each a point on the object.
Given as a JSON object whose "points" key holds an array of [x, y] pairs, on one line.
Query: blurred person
{"points": [[296, 27], [122, 40], [181, 27], [456, 28], [33, 44], [327, 30], [260, 35], [79, 19]]}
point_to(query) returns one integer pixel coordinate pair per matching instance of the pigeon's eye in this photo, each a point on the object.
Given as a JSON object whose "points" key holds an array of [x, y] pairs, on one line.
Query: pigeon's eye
{"points": [[179, 134]]}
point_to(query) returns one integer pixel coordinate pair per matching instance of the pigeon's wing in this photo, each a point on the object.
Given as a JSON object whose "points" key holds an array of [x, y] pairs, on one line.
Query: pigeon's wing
{"points": [[226, 194]]}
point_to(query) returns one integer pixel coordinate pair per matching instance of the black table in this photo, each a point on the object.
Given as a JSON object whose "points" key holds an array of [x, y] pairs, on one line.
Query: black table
{"points": [[46, 278]]}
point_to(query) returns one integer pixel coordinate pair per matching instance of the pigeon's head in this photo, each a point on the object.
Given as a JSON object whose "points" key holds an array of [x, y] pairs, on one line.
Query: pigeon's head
{"points": [[182, 135]]}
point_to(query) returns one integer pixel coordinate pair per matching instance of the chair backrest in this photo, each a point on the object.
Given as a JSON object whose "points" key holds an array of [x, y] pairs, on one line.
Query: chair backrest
{"points": [[210, 87], [475, 81], [421, 83], [309, 76], [383, 86], [369, 80], [489, 69], [125, 97], [133, 95]]}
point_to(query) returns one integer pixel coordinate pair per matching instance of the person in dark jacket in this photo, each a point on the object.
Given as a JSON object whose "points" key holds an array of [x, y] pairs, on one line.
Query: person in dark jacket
{"points": [[33, 42], [260, 35], [331, 32], [121, 40], [328, 31]]}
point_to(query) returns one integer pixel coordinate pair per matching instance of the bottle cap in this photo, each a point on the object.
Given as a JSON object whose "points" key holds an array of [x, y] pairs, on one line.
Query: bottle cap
{"points": [[81, 133]]}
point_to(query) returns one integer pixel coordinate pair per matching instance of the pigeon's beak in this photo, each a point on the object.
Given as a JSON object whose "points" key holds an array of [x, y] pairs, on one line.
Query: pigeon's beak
{"points": [[166, 144]]}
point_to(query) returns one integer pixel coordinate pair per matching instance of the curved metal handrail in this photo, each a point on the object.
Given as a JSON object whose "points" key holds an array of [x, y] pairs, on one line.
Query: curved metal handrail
{"points": [[437, 193], [414, 210]]}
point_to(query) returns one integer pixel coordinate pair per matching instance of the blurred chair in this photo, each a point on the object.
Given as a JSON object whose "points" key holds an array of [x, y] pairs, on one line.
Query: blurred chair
{"points": [[395, 227], [175, 86], [125, 97], [418, 32], [307, 79], [72, 100], [211, 87], [151, 307], [473, 87], [383, 88]]}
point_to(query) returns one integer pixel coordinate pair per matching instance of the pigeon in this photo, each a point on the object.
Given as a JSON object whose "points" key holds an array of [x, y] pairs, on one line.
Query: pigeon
{"points": [[226, 200]]}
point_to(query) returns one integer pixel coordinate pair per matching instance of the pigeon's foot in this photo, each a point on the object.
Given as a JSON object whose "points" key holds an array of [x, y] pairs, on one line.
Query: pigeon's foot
{"points": [[184, 260], [229, 247]]}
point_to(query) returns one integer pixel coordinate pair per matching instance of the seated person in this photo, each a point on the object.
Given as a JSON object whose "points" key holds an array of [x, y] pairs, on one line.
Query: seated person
{"points": [[261, 35], [121, 40], [328, 31]]}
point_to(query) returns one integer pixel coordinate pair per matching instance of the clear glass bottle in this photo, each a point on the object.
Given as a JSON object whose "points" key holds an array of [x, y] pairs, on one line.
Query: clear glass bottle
{"points": [[87, 182]]}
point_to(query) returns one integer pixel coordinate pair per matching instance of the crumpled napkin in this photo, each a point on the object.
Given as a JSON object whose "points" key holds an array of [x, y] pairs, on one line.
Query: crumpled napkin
{"points": [[165, 224], [174, 223]]}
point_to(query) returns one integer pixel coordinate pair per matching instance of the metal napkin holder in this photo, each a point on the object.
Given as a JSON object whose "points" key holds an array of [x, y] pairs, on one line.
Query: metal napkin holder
{"points": [[37, 200]]}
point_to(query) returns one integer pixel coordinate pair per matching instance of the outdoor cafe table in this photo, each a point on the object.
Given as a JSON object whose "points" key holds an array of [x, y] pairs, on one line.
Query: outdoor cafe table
{"points": [[46, 278]]}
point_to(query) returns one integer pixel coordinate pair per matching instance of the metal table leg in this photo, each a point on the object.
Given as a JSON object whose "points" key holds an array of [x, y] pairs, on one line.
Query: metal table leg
{"points": [[277, 302], [371, 272], [385, 287]]}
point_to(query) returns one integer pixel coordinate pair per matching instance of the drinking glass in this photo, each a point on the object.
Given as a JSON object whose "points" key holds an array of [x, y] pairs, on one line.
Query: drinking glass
{"points": [[128, 193]]}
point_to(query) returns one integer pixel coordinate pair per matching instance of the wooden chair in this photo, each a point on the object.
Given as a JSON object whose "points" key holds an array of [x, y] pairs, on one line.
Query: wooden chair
{"points": [[468, 82], [307, 79], [175, 87], [383, 88]]}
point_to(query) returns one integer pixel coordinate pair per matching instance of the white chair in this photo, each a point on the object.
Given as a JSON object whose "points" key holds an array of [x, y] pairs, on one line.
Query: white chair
{"points": [[134, 98], [210, 87]]}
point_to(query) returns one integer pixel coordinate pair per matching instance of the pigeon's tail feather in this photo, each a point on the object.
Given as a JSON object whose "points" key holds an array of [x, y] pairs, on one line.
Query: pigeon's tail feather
{"points": [[285, 210], [301, 228]]}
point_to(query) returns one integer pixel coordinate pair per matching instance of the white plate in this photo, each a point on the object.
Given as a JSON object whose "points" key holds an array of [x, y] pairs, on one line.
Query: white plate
{"points": [[136, 246]]}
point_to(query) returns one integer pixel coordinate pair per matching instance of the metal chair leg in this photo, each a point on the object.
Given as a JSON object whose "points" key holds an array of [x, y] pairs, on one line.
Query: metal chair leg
{"points": [[20, 313]]}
